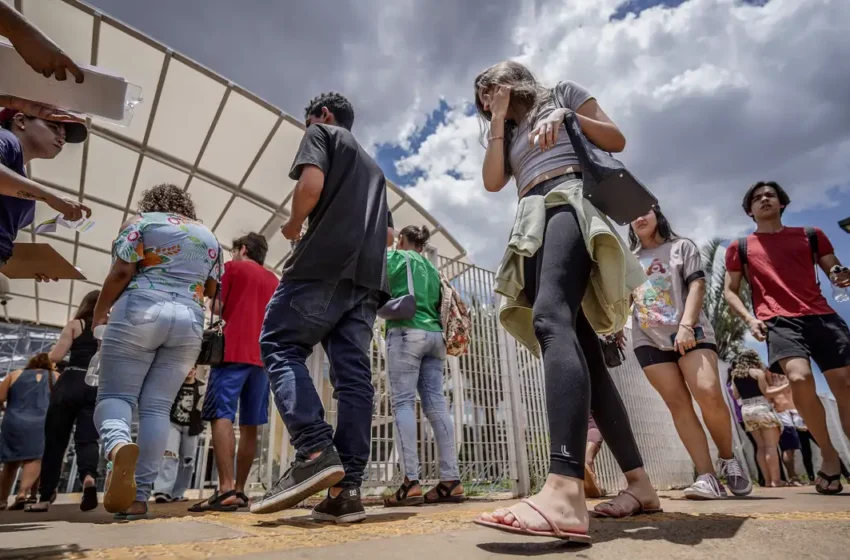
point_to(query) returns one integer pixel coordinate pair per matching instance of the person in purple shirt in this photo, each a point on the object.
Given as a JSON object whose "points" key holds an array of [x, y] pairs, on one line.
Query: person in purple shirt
{"points": [[22, 139]]}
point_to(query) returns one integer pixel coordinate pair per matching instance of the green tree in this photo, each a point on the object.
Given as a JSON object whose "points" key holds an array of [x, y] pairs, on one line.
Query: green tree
{"points": [[729, 329]]}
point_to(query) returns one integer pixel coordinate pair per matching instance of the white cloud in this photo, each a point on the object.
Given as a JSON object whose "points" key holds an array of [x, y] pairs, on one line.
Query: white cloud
{"points": [[712, 96]]}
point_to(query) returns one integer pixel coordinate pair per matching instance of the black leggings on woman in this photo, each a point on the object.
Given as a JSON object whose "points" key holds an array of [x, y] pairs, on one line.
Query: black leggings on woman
{"points": [[555, 281]]}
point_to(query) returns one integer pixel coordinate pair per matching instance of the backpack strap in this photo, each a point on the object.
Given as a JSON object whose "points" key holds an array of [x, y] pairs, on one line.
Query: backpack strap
{"points": [[812, 236], [742, 257]]}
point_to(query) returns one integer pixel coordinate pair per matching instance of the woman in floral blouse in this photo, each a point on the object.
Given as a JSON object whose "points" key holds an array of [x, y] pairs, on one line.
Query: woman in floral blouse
{"points": [[164, 263]]}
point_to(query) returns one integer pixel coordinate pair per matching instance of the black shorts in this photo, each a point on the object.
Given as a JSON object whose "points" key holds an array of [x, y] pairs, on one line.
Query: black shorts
{"points": [[650, 355], [825, 339], [789, 439]]}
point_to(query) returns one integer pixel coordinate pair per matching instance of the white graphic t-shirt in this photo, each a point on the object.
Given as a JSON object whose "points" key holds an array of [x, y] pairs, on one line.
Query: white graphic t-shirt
{"points": [[660, 301]]}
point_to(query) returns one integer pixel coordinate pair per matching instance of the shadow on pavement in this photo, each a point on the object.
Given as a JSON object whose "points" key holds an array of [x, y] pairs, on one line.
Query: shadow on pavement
{"points": [[688, 531], [307, 522]]}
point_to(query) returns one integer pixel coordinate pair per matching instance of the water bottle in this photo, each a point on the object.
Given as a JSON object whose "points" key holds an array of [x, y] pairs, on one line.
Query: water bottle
{"points": [[840, 295], [93, 373]]}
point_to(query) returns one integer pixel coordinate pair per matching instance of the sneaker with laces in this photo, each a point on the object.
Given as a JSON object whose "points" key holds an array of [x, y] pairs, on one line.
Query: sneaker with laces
{"points": [[345, 508], [300, 481], [706, 487], [736, 477]]}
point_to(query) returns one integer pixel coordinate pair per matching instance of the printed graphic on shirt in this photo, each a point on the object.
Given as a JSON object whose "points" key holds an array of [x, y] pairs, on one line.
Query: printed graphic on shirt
{"points": [[654, 299], [183, 406]]}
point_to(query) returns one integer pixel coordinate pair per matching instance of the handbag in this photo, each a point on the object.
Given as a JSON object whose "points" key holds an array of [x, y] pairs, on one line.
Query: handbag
{"points": [[606, 183], [612, 352], [401, 308], [212, 341]]}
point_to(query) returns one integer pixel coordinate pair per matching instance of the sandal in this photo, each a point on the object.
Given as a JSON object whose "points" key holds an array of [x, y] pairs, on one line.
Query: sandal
{"points": [[401, 497], [245, 500], [620, 511], [824, 489], [523, 529], [89, 500], [38, 507], [121, 479], [19, 504], [592, 490], [213, 503], [124, 516], [444, 494]]}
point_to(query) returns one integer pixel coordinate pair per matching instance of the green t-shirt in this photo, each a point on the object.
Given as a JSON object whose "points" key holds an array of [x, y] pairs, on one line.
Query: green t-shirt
{"points": [[426, 288]]}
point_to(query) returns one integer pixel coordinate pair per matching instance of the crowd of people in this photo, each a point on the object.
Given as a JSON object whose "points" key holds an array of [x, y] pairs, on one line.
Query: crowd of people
{"points": [[566, 278]]}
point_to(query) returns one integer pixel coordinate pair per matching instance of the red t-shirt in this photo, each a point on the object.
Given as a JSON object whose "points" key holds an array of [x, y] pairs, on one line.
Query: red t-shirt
{"points": [[782, 273], [246, 288]]}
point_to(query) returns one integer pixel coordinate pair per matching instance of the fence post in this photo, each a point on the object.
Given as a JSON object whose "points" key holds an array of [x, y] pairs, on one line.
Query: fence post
{"points": [[515, 419]]}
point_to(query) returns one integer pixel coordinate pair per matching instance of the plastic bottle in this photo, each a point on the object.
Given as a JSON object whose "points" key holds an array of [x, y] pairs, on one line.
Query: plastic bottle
{"points": [[93, 373], [839, 295]]}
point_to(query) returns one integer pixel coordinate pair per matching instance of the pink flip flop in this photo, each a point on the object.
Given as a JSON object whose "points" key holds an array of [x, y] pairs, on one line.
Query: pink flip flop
{"points": [[523, 529]]}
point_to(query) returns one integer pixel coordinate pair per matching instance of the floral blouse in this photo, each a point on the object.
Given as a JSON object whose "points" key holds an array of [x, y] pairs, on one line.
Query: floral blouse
{"points": [[175, 254]]}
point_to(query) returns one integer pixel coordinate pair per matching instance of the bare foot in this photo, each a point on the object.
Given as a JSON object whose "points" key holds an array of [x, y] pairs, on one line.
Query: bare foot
{"points": [[562, 499]]}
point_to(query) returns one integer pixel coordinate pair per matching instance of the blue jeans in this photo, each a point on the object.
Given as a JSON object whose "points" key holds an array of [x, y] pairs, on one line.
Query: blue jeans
{"points": [[151, 342], [178, 462], [340, 316], [415, 360]]}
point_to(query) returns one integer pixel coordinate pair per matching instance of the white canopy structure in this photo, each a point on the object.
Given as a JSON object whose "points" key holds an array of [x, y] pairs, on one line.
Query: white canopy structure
{"points": [[230, 150]]}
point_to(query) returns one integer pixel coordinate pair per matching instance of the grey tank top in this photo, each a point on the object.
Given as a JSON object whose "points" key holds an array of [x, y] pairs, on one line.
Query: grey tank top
{"points": [[529, 162]]}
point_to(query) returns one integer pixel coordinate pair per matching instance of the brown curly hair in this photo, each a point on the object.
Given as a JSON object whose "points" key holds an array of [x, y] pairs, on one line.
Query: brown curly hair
{"points": [[745, 361], [40, 361], [168, 198]]}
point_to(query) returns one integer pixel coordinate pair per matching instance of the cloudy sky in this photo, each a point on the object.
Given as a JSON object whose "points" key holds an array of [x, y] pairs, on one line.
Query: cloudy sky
{"points": [[712, 95]]}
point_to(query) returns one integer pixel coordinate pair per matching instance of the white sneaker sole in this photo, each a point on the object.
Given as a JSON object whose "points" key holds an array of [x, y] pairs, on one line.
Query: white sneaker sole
{"points": [[322, 480], [356, 517], [693, 494]]}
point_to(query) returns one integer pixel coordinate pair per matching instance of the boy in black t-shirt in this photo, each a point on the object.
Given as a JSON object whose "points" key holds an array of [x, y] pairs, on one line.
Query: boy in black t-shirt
{"points": [[178, 463]]}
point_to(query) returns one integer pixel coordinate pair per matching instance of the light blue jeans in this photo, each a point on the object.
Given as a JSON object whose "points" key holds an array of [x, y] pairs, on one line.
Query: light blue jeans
{"points": [[415, 360], [178, 462], [151, 342]]}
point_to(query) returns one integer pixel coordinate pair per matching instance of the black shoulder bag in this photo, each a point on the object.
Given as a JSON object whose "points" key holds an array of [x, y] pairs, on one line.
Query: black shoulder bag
{"points": [[212, 343], [606, 182]]}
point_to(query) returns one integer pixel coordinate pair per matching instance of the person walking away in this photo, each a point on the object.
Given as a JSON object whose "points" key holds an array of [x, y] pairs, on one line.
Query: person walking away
{"points": [[544, 279], [416, 357], [780, 265], [24, 138], [750, 386], [246, 289], [164, 263], [178, 462], [592, 488], [674, 344], [736, 409], [789, 439], [26, 394], [72, 409], [332, 286]]}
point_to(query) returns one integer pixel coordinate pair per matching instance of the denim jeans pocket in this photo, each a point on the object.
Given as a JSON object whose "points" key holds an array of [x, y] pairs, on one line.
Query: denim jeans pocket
{"points": [[311, 298], [141, 309]]}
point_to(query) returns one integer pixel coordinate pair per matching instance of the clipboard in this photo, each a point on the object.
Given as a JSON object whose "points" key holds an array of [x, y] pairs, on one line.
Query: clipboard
{"points": [[29, 259]]}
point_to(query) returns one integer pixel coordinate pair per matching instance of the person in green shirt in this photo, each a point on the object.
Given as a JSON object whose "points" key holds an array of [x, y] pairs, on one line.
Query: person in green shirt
{"points": [[416, 355]]}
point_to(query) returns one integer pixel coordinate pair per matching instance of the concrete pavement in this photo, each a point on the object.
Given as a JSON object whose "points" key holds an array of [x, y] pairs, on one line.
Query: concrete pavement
{"points": [[771, 524]]}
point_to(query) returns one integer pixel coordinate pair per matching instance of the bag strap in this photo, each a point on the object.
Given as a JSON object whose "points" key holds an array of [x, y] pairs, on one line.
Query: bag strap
{"points": [[217, 291], [812, 236], [410, 289]]}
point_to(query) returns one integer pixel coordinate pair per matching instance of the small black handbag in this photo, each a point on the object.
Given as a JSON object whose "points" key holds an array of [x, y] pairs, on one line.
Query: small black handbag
{"points": [[612, 352], [212, 342], [606, 183]]}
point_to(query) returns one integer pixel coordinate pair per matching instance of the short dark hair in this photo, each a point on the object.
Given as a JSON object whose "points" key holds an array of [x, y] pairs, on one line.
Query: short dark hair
{"points": [[255, 245], [783, 197], [337, 104], [169, 199]]}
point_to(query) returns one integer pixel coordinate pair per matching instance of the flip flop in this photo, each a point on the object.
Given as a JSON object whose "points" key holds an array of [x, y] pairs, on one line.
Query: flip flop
{"points": [[33, 508], [19, 504], [829, 479], [124, 516], [213, 503], [641, 509], [89, 501], [523, 529], [121, 491], [592, 490]]}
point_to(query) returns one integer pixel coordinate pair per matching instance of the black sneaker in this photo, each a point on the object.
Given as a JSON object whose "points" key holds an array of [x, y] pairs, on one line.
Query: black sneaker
{"points": [[300, 481], [345, 508]]}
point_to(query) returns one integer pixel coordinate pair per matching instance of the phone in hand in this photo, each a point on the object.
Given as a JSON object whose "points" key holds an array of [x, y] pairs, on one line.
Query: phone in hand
{"points": [[699, 336]]}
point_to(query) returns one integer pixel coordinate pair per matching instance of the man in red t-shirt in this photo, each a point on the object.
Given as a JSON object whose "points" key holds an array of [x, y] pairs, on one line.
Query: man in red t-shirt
{"points": [[246, 288], [792, 314]]}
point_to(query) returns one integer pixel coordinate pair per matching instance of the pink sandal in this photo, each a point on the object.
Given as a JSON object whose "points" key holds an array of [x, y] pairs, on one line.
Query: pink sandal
{"points": [[523, 529]]}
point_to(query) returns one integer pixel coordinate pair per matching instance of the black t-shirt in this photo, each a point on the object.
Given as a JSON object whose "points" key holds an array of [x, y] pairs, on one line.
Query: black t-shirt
{"points": [[346, 236], [185, 411]]}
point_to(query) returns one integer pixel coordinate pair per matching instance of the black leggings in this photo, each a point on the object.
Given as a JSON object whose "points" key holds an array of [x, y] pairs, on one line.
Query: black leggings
{"points": [[576, 375], [72, 402]]}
